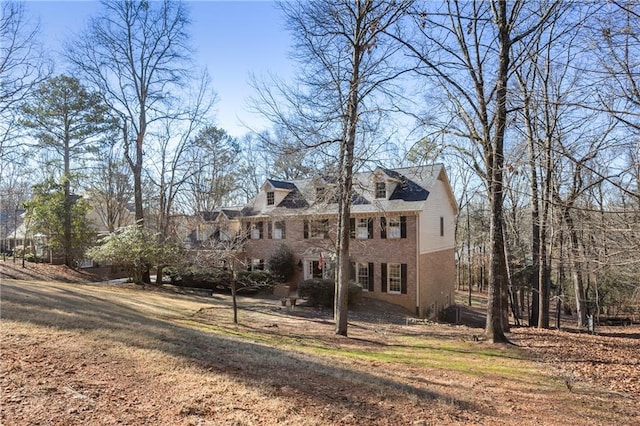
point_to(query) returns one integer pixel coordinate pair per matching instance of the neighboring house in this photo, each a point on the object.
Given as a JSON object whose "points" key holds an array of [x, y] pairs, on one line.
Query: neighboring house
{"points": [[12, 230], [402, 230]]}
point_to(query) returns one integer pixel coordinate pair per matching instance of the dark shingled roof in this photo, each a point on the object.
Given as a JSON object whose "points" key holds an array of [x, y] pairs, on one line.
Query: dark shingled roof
{"points": [[357, 199], [406, 190], [209, 216], [281, 184], [294, 200], [231, 213]]}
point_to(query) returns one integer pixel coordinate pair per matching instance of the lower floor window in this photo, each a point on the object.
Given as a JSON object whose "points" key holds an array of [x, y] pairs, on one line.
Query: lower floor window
{"points": [[395, 277], [362, 275], [256, 265]]}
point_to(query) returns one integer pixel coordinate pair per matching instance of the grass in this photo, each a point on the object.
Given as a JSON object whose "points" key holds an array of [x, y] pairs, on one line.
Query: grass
{"points": [[194, 363]]}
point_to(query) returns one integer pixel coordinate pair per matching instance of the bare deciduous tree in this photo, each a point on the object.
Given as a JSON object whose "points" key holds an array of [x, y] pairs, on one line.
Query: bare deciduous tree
{"points": [[22, 68], [467, 48], [137, 55], [348, 66]]}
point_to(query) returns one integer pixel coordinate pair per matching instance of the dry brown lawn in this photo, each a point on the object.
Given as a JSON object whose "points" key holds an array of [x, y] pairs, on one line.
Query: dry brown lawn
{"points": [[98, 354]]}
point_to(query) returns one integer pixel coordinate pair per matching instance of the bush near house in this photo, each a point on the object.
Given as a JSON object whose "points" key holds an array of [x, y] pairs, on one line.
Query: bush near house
{"points": [[321, 292], [220, 280]]}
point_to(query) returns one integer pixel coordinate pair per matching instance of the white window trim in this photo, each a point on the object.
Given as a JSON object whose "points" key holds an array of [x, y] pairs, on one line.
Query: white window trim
{"points": [[362, 228], [390, 278], [364, 266], [394, 230], [317, 229], [376, 190]]}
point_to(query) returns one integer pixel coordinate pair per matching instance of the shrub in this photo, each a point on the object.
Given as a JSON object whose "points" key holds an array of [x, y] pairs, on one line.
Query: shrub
{"points": [[211, 279], [321, 292], [282, 264], [254, 281]]}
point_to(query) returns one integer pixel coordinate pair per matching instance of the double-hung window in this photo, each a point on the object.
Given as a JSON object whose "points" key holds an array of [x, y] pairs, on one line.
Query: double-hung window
{"points": [[256, 230], [381, 190], [271, 198], [279, 230], [393, 227], [362, 228], [395, 278], [316, 229]]}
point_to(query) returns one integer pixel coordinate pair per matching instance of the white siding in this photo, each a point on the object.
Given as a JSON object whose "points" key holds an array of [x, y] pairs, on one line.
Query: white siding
{"points": [[438, 205]]}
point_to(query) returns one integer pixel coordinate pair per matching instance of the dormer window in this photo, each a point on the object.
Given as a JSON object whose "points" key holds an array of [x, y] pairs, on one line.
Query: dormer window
{"points": [[271, 198], [381, 190]]}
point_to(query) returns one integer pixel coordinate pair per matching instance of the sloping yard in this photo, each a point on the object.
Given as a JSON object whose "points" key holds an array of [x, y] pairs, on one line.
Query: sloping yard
{"points": [[78, 354]]}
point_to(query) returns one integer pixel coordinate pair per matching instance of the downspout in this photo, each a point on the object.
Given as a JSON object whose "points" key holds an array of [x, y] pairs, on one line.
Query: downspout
{"points": [[418, 265]]}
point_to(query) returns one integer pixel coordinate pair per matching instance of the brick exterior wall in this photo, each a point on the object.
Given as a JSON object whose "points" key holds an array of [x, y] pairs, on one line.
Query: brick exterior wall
{"points": [[374, 250], [438, 275]]}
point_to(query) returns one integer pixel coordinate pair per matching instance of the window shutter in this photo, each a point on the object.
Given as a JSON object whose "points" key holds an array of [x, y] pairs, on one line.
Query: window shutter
{"points": [[383, 273], [269, 230], [306, 230], [325, 228], [260, 229], [352, 271], [383, 227], [369, 228], [283, 228], [441, 226], [370, 276], [352, 227], [403, 227], [403, 278]]}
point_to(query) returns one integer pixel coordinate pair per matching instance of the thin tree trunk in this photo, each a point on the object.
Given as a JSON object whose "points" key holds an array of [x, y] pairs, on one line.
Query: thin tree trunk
{"points": [[576, 270]]}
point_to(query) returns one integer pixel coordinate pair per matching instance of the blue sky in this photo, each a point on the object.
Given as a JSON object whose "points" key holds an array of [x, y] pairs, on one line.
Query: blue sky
{"points": [[232, 38]]}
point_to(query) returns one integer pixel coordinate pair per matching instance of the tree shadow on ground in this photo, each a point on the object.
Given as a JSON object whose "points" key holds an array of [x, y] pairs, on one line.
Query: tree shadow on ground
{"points": [[126, 322]]}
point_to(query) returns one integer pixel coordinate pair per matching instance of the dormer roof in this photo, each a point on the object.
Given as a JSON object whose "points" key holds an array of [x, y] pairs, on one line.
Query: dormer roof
{"points": [[279, 184], [406, 189]]}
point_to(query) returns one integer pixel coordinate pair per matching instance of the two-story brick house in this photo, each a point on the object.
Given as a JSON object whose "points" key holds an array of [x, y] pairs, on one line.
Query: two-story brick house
{"points": [[402, 230]]}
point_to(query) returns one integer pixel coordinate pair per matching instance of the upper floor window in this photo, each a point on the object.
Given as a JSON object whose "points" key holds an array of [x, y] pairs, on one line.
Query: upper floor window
{"points": [[256, 230], [318, 228], [277, 230], [271, 198], [362, 228], [381, 190], [393, 227]]}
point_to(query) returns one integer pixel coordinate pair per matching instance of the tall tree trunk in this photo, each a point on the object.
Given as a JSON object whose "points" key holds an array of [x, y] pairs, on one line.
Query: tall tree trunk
{"points": [[494, 327]]}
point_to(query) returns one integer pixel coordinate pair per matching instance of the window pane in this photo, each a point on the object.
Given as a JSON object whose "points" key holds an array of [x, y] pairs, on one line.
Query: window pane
{"points": [[362, 270], [393, 229], [362, 226], [394, 276]]}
